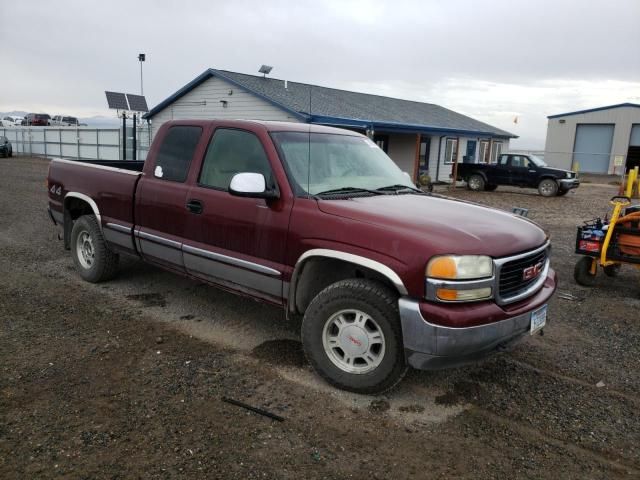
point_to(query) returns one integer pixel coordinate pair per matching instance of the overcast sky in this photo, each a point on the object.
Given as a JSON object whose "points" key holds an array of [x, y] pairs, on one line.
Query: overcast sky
{"points": [[493, 60]]}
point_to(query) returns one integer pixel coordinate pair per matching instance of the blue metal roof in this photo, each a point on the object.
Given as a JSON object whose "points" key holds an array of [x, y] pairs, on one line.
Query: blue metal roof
{"points": [[608, 107], [330, 106]]}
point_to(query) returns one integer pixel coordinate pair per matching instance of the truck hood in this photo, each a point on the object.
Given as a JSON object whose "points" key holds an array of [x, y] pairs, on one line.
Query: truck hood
{"points": [[441, 225]]}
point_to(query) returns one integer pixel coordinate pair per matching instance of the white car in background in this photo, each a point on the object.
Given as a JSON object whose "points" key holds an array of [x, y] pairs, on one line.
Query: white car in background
{"points": [[11, 121], [64, 121]]}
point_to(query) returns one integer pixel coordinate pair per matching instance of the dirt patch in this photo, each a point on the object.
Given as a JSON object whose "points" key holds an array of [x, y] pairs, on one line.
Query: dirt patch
{"points": [[148, 299], [99, 381], [284, 352]]}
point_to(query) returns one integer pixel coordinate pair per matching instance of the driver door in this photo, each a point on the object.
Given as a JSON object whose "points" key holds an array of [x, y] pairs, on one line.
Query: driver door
{"points": [[236, 242]]}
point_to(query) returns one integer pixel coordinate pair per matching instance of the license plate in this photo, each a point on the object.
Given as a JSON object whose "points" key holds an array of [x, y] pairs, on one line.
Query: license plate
{"points": [[538, 319]]}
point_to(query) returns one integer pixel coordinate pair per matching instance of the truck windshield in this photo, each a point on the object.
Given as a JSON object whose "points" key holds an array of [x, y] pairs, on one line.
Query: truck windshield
{"points": [[320, 162]]}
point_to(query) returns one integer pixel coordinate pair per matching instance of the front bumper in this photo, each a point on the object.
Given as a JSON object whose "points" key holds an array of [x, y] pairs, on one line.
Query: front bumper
{"points": [[429, 346], [569, 183]]}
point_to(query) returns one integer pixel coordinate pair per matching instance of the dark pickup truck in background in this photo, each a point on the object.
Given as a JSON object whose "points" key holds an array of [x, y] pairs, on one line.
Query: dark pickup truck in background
{"points": [[321, 222], [518, 170]]}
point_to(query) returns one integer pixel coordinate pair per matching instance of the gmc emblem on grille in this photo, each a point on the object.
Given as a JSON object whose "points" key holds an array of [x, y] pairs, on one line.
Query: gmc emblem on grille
{"points": [[532, 272]]}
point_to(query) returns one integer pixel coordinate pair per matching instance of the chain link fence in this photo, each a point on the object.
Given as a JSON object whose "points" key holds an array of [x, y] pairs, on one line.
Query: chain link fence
{"points": [[77, 143]]}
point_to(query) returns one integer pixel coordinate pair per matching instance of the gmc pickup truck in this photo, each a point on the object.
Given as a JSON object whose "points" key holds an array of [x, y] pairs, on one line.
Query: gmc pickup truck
{"points": [[321, 222], [518, 170]]}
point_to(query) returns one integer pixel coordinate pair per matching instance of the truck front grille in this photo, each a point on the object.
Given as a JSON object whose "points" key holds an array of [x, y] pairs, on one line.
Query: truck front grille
{"points": [[521, 274]]}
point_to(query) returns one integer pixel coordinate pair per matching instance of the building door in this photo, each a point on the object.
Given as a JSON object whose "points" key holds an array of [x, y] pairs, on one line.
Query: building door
{"points": [[425, 149], [592, 147], [470, 157], [633, 155]]}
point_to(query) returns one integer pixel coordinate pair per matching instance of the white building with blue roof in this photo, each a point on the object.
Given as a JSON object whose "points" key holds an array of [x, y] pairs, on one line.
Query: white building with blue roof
{"points": [[419, 137]]}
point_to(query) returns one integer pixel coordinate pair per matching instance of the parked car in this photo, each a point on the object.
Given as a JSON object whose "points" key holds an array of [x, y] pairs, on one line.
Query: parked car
{"points": [[10, 121], [37, 119], [6, 150], [520, 170], [63, 121], [321, 222]]}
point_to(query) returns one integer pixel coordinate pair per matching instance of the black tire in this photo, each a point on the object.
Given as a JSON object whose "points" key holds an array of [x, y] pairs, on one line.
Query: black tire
{"points": [[561, 193], [548, 187], [476, 182], [490, 188], [103, 264], [11, 152], [582, 272], [612, 270], [377, 302]]}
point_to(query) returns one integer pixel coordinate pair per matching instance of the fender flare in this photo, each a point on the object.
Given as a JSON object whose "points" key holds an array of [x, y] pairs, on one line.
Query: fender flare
{"points": [[374, 265], [89, 201]]}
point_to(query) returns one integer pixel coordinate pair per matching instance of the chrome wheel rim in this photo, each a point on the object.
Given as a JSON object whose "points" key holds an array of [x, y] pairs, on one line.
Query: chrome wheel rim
{"points": [[84, 250], [353, 341], [546, 188], [474, 183]]}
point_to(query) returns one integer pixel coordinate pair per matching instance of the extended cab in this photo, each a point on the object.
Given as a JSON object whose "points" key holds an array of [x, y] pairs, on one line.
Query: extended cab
{"points": [[519, 170], [321, 222]]}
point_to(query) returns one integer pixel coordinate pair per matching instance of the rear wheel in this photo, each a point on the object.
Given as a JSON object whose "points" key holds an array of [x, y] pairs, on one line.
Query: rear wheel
{"points": [[91, 255], [351, 335], [612, 270], [476, 182], [582, 272], [11, 152], [548, 187]]}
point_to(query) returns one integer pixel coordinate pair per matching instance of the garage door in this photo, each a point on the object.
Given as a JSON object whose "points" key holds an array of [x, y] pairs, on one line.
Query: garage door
{"points": [[593, 147]]}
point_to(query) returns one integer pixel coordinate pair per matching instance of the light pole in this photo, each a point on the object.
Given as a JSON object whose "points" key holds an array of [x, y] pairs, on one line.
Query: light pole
{"points": [[141, 57]]}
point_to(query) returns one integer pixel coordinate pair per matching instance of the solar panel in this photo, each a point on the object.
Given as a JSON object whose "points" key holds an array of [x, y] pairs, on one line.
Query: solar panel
{"points": [[137, 103], [117, 100]]}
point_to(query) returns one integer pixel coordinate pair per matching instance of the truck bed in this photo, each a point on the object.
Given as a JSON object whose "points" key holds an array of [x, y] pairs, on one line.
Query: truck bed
{"points": [[110, 184]]}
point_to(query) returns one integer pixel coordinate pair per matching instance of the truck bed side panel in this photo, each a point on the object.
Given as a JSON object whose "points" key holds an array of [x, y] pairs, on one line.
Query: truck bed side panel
{"points": [[108, 190]]}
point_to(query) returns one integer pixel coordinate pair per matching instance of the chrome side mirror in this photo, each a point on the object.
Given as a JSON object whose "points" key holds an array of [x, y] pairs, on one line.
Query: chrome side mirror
{"points": [[253, 185]]}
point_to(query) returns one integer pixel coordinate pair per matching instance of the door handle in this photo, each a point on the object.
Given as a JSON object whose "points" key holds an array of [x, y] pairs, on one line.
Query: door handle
{"points": [[194, 206]]}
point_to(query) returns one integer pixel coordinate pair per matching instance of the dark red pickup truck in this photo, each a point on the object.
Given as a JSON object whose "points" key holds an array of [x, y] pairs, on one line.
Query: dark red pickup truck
{"points": [[320, 221]]}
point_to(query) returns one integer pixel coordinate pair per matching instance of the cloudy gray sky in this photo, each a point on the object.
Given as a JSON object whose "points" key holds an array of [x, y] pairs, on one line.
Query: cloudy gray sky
{"points": [[493, 59]]}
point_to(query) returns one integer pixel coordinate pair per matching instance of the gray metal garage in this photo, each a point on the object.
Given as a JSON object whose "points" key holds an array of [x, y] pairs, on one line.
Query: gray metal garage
{"points": [[598, 140]]}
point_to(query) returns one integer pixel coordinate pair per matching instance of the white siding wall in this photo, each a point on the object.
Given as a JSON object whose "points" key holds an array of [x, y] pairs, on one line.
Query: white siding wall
{"points": [[203, 102], [561, 136]]}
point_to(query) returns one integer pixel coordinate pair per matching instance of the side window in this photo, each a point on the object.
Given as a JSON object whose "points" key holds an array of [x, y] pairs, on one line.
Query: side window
{"points": [[176, 152], [231, 152], [503, 160]]}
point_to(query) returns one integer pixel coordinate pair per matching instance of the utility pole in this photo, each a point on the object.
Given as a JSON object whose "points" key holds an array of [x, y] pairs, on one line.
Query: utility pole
{"points": [[141, 58]]}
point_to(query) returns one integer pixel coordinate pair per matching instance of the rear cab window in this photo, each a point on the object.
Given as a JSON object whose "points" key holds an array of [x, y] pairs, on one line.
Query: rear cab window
{"points": [[176, 153]]}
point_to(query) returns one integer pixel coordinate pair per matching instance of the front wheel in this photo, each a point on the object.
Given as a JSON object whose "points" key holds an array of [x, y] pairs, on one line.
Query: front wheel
{"points": [[352, 337], [92, 257], [548, 187], [476, 182]]}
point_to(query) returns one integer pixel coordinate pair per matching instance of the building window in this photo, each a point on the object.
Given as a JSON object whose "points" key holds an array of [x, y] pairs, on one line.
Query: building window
{"points": [[176, 152], [451, 150], [495, 153], [484, 152]]}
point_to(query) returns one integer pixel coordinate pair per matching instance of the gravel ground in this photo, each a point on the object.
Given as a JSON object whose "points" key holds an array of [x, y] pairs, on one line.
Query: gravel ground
{"points": [[126, 379]]}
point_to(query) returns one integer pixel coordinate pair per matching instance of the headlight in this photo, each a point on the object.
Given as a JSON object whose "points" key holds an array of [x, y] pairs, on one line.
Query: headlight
{"points": [[460, 267], [569, 174], [459, 278]]}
